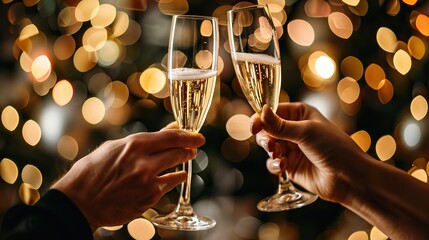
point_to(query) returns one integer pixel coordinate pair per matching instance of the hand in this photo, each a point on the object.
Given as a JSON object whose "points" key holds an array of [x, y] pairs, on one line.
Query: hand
{"points": [[303, 142], [121, 179]]}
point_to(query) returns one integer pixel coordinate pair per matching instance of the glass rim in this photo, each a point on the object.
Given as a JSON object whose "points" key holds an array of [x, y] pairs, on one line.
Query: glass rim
{"points": [[256, 6], [196, 17]]}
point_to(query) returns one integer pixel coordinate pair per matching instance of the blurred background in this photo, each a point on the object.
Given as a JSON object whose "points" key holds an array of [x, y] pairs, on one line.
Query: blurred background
{"points": [[74, 74]]}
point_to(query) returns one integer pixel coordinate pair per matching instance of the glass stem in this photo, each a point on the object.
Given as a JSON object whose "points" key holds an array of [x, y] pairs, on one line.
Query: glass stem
{"points": [[184, 207], [284, 183]]}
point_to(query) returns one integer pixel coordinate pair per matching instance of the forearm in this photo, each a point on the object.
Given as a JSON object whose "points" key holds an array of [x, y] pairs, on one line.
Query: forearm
{"points": [[390, 199]]}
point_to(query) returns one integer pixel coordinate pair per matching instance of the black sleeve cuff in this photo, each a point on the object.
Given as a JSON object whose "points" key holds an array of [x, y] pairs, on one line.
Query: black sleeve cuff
{"points": [[54, 216], [67, 213]]}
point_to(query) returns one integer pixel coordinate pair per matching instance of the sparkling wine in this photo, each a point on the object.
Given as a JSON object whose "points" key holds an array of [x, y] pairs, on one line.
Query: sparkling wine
{"points": [[260, 79], [191, 96]]}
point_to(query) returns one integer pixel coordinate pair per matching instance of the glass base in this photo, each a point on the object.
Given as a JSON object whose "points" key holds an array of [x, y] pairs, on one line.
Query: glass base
{"points": [[285, 201], [173, 221]]}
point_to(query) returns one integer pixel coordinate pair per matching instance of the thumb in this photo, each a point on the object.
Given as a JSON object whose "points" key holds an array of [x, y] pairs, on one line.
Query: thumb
{"points": [[280, 128]]}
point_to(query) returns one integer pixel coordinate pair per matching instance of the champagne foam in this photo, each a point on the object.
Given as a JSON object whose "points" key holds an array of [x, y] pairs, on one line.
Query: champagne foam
{"points": [[190, 73], [256, 58]]}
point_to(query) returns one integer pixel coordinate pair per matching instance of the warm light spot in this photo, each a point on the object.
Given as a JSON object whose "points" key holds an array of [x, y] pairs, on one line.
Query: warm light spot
{"points": [[31, 132], [85, 10], [340, 25], [402, 61], [153, 80], [67, 147], [238, 127], [62, 92], [301, 32], [422, 24], [273, 5], [348, 90], [25, 61], [67, 21], [28, 31], [221, 13], [410, 2], [121, 23], [206, 28], [385, 147], [386, 39], [10, 118], [179, 59], [106, 14], [94, 39], [317, 8], [113, 228], [352, 67], [150, 213], [64, 47], [28, 194], [325, 67], [204, 59], [119, 116], [421, 175], [42, 88], [376, 234], [132, 34], [363, 139], [359, 235], [416, 47], [41, 68], [374, 74], [30, 3], [8, 171], [361, 9], [351, 2], [93, 110], [84, 60], [269, 231], [108, 54], [32, 176], [385, 91], [141, 229], [132, 5], [177, 7], [116, 94], [419, 107]]}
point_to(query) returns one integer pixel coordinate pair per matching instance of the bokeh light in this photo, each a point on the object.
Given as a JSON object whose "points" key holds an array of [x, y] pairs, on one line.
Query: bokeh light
{"points": [[32, 176], [141, 229], [31, 132], [10, 118], [77, 73], [385, 147], [93, 110], [62, 92], [238, 127], [8, 170]]}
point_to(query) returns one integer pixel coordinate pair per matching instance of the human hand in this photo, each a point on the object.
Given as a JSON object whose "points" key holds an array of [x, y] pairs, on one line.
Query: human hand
{"points": [[121, 179], [313, 151]]}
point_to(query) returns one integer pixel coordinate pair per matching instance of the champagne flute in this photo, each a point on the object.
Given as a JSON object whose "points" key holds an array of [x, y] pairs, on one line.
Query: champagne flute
{"points": [[192, 71], [256, 58]]}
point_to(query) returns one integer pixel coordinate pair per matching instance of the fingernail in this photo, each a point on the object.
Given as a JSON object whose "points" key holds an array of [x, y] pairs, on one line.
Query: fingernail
{"points": [[276, 166], [264, 144]]}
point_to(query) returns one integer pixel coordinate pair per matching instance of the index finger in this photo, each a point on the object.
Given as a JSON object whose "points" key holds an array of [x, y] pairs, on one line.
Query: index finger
{"points": [[171, 138]]}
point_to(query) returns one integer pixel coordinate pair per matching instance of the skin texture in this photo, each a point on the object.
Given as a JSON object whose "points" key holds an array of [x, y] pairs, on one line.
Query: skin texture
{"points": [[327, 162], [122, 178]]}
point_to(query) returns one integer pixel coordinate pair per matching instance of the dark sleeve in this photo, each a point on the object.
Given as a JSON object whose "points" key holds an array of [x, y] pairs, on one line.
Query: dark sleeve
{"points": [[54, 216]]}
